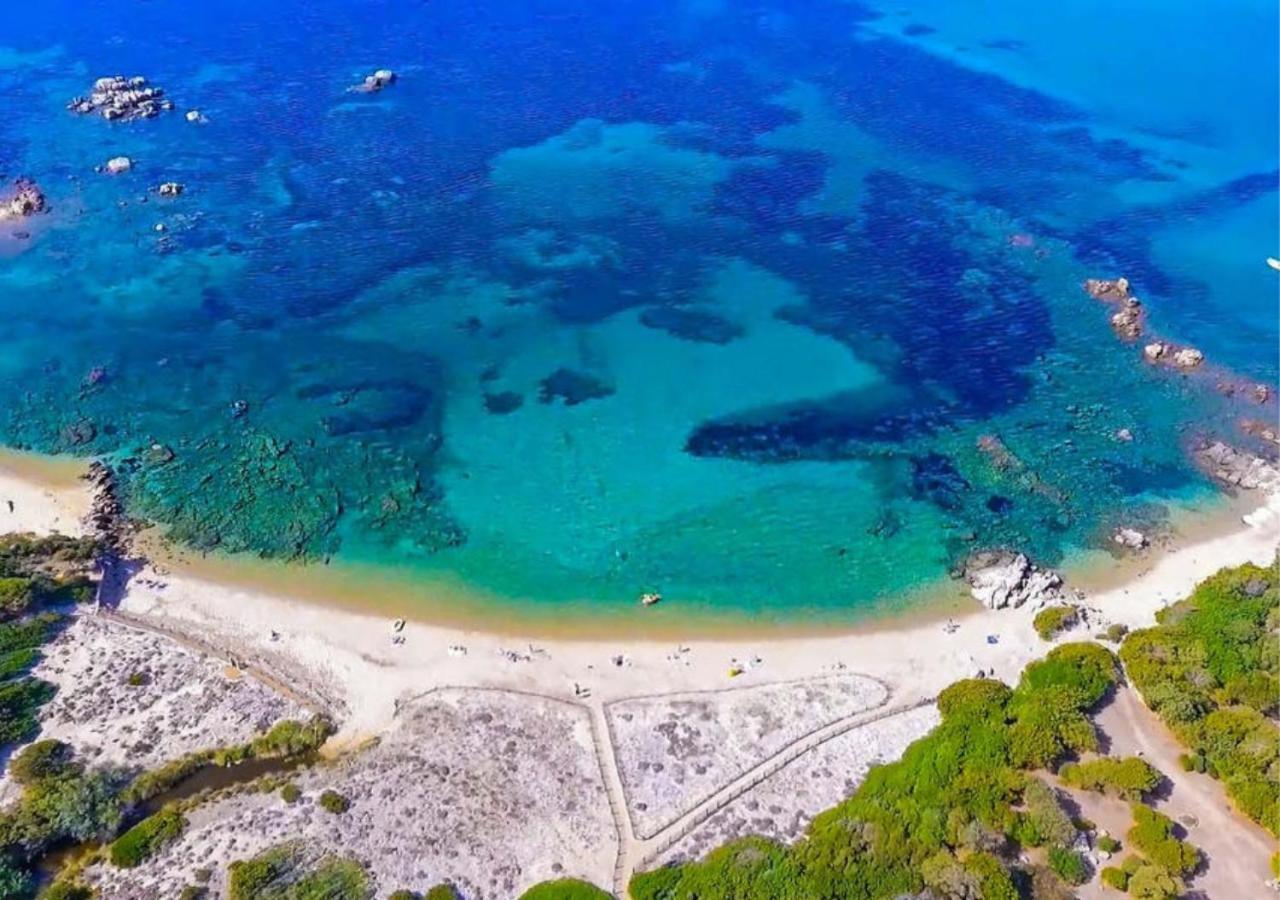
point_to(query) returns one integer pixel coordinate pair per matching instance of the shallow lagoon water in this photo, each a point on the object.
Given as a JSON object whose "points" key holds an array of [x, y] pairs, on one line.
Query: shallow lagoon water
{"points": [[710, 299]]}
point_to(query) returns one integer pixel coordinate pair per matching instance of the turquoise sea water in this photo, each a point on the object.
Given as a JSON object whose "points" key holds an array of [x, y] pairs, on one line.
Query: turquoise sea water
{"points": [[708, 298]]}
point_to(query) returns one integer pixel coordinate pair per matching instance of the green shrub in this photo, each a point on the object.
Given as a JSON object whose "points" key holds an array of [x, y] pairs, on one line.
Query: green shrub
{"points": [[41, 760], [403, 895], [1131, 777], [1053, 619], [142, 840], [1152, 834], [1116, 632], [20, 700], [138, 679], [1108, 844], [153, 783], [17, 595], [279, 873], [565, 889], [1045, 821], [66, 890], [18, 662], [193, 892], [333, 802], [1116, 879], [1152, 882], [292, 738], [28, 633], [1068, 865], [291, 793], [442, 892]]}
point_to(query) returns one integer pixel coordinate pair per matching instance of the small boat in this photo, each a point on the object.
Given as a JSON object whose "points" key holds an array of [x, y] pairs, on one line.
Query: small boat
{"points": [[650, 599], [1273, 263]]}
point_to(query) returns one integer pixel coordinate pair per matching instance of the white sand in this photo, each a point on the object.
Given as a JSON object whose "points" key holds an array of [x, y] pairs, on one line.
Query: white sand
{"points": [[349, 660]]}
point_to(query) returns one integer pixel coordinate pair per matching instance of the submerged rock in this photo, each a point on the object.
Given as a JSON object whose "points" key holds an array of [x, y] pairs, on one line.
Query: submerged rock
{"points": [[170, 189], [1000, 579], [26, 199], [1129, 538], [120, 99]]}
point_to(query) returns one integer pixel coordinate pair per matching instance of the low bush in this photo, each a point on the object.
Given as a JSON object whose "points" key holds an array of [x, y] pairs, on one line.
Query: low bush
{"points": [[290, 793], [292, 738], [41, 760], [442, 892], [1108, 844], [333, 802], [565, 889], [1129, 777], [280, 873], [66, 890], [142, 840], [1053, 619], [1114, 878], [1152, 834], [1068, 865]]}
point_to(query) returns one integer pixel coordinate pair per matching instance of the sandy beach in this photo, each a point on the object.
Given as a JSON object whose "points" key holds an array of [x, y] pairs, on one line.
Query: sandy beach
{"points": [[362, 666]]}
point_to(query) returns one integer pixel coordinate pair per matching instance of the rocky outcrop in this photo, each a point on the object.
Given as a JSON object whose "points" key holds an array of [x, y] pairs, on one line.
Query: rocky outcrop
{"points": [[117, 165], [1128, 320], [1000, 579], [1107, 289], [1236, 468], [1263, 431], [1165, 354], [375, 82], [23, 200], [120, 99], [170, 189]]}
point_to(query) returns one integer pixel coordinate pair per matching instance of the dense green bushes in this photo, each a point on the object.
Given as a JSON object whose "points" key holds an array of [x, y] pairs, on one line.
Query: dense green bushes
{"points": [[283, 873], [292, 738], [1130, 777], [1053, 619], [144, 839], [1068, 865], [1152, 834], [1211, 670], [939, 817], [565, 889]]}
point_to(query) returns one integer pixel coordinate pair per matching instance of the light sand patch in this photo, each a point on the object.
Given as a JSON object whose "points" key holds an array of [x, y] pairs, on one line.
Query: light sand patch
{"points": [[675, 751], [783, 804], [491, 790], [133, 699]]}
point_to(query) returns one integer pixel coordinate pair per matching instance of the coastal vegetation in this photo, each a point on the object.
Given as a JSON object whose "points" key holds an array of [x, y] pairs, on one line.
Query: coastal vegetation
{"points": [[285, 872], [1210, 669], [1131, 777], [1053, 619], [948, 816], [565, 889]]}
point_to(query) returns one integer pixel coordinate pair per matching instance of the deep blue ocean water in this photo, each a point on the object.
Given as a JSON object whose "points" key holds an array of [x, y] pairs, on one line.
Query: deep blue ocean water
{"points": [[710, 298]]}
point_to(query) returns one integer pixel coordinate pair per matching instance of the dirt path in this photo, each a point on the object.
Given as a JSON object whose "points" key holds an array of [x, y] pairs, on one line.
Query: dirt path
{"points": [[1237, 851]]}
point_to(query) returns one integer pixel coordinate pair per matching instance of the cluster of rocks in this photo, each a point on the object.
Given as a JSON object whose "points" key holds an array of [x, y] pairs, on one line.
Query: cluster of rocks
{"points": [[1263, 431], [1161, 353], [1000, 579], [25, 199], [117, 98], [106, 521], [1237, 468], [1128, 319], [170, 189], [375, 82]]}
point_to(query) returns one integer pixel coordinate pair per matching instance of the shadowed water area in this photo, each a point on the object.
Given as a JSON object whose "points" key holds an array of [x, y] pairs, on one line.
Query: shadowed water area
{"points": [[716, 299]]}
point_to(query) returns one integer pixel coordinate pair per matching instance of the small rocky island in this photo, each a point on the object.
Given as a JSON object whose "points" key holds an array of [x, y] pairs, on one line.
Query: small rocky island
{"points": [[120, 99], [22, 200]]}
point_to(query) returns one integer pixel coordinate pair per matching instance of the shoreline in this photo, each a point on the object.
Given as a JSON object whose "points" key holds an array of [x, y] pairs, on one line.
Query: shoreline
{"points": [[359, 666]]}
